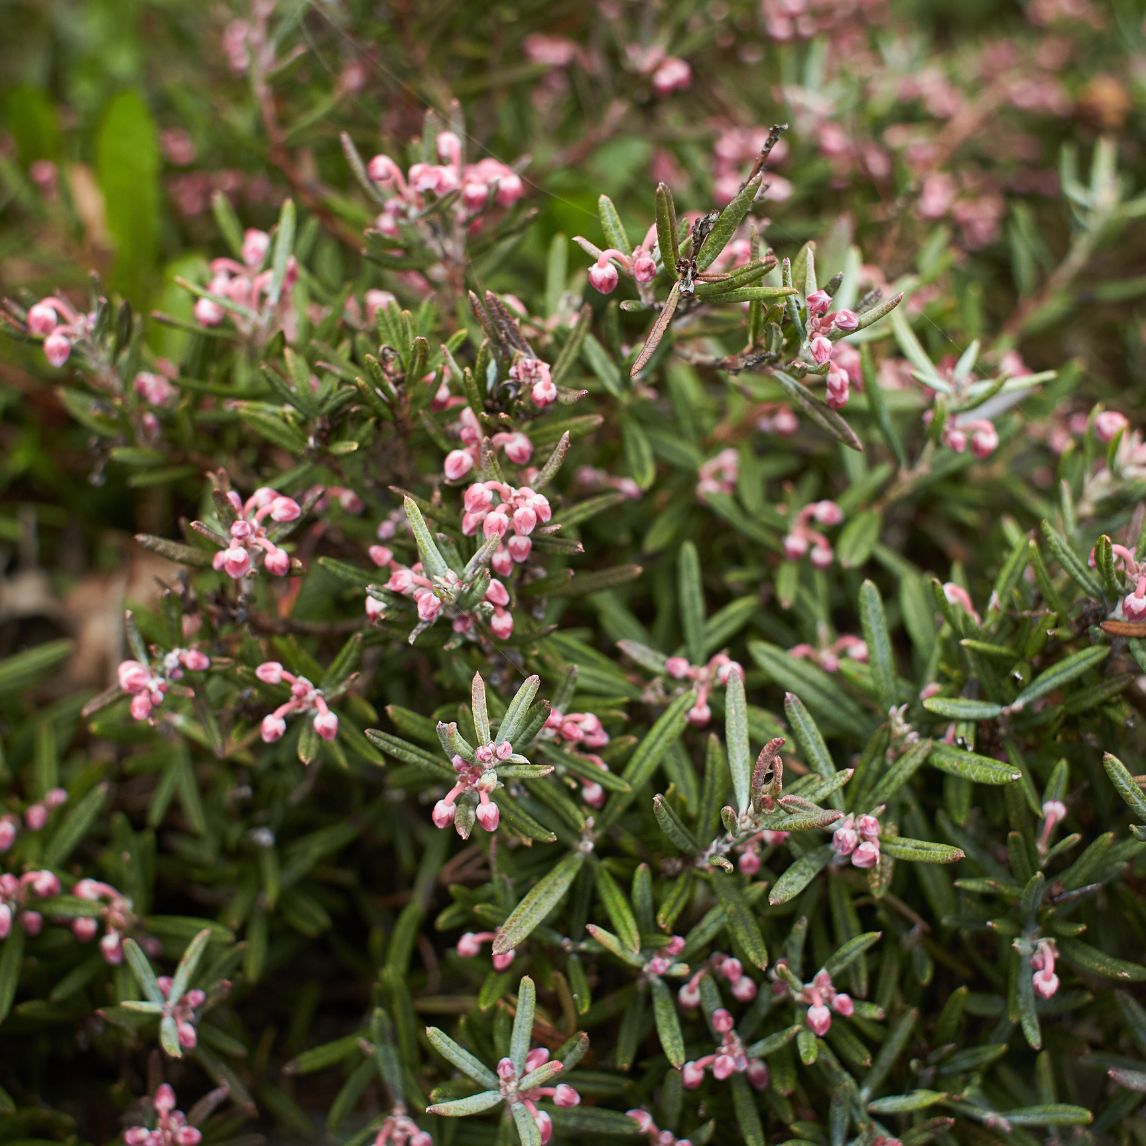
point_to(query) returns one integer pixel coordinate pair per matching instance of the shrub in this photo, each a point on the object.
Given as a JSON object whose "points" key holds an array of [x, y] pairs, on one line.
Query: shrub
{"points": [[686, 692]]}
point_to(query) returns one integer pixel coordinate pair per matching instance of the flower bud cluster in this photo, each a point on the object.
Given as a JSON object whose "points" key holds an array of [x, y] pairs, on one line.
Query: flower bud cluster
{"points": [[702, 678], [18, 895], [480, 186], [432, 599], [1134, 603], [476, 779], [725, 967], [35, 817], [641, 265], [470, 945], [516, 446], [656, 1136], [857, 838], [822, 998], [154, 387], [666, 73], [304, 697], [400, 1129], [718, 474], [248, 286], [509, 1080], [1044, 978], [60, 325], [250, 540], [595, 478], [828, 657], [728, 1059], [508, 512], [843, 361], [580, 730], [171, 1128], [777, 418], [802, 538], [984, 437], [184, 1010], [534, 375], [148, 684], [116, 916]]}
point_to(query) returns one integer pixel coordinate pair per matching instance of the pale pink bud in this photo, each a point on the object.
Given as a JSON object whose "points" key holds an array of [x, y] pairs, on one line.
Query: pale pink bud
{"points": [[818, 303], [85, 929], [164, 1099], [111, 947], [795, 546], [543, 393], [757, 1074], [235, 562], [1107, 425], [845, 839], [35, 817], [722, 1021], [326, 725], [502, 961], [285, 509], [643, 1119], [677, 667], [42, 318], [1045, 983], [8, 833], [672, 75], [868, 827], [270, 672], [821, 556], [187, 1036], [842, 1004], [208, 312], [744, 990], [699, 715], [691, 1075], [821, 349], [57, 348], [509, 188], [644, 268], [827, 513], [443, 814], [468, 945], [524, 520], [497, 593], [518, 448], [273, 728], [458, 464], [429, 606], [846, 320], [255, 247], [565, 1095], [519, 549], [723, 1066], [32, 922], [603, 277], [5, 920], [1134, 606], [141, 706], [749, 863], [488, 815], [137, 1136], [277, 562], [984, 441], [866, 855], [133, 676], [188, 1136], [819, 1019]]}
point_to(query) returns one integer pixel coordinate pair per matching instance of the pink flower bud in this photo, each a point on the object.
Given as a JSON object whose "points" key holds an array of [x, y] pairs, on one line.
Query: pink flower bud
{"points": [[565, 1095], [443, 814], [984, 441], [519, 549], [187, 1036], [524, 520], [5, 920], [137, 1136], [277, 562], [845, 839], [842, 1004], [42, 318], [141, 706], [35, 817], [866, 855], [270, 672], [819, 1019], [469, 945], [235, 562], [868, 827], [722, 1021], [723, 1066], [57, 348], [326, 725], [643, 1119], [32, 922], [285, 509], [188, 1136], [821, 556], [85, 928], [749, 863], [133, 676], [699, 715], [744, 990], [757, 1074], [502, 961], [691, 1075], [509, 188], [821, 349], [846, 320], [795, 546], [1107, 426], [1045, 983], [8, 833], [488, 815], [497, 593], [208, 312], [429, 606], [672, 75], [818, 303], [255, 247], [458, 464], [644, 268], [603, 276], [273, 728], [543, 393], [677, 667], [1134, 606]]}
